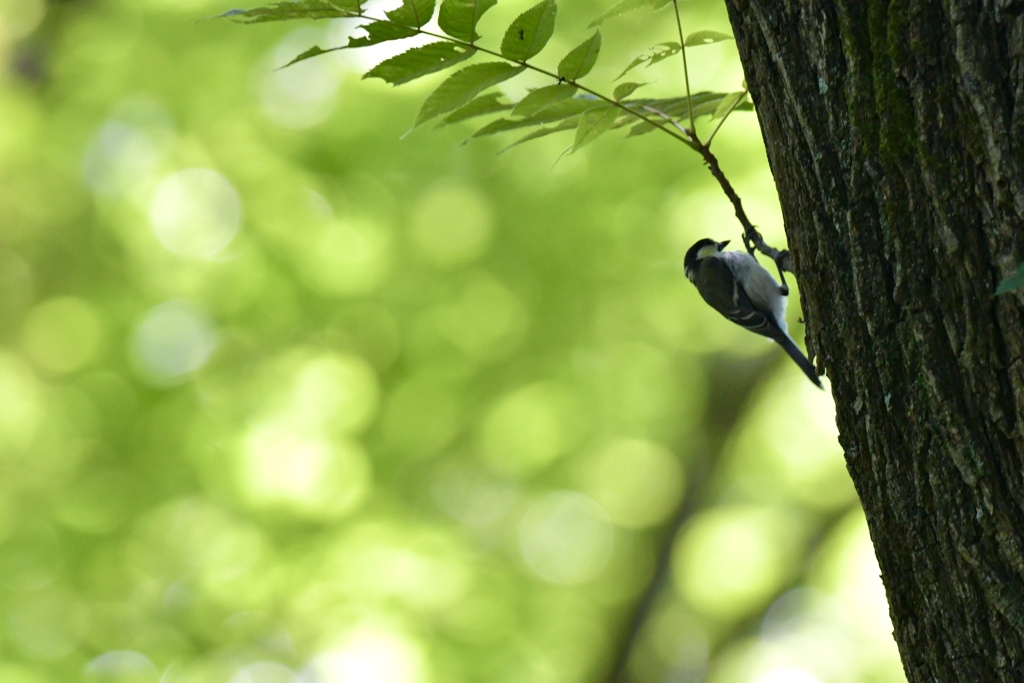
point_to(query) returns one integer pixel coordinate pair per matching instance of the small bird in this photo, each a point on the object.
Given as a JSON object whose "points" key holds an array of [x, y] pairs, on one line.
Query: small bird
{"points": [[737, 286]]}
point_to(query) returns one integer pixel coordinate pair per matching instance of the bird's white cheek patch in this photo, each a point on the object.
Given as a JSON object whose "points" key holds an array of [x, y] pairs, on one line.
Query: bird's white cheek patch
{"points": [[709, 250]]}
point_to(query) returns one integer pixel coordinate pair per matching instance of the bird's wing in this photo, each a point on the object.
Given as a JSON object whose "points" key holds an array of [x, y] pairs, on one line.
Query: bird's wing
{"points": [[728, 297]]}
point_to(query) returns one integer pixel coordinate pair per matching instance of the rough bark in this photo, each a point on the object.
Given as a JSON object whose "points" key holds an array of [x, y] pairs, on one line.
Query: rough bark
{"points": [[895, 131]]}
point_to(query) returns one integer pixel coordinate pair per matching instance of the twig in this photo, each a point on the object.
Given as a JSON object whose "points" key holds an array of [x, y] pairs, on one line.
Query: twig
{"points": [[752, 239]]}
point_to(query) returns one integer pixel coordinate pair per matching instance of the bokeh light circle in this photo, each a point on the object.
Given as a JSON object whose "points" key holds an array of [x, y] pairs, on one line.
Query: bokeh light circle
{"points": [[195, 213]]}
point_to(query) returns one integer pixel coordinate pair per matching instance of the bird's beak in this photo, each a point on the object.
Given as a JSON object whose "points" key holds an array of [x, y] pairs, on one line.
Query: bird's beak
{"points": [[722, 245]]}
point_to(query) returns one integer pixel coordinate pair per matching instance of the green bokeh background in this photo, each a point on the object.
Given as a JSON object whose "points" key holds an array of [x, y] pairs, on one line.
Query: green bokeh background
{"points": [[286, 396]]}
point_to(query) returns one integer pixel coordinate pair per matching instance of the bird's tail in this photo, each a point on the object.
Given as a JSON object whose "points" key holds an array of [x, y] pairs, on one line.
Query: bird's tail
{"points": [[799, 358]]}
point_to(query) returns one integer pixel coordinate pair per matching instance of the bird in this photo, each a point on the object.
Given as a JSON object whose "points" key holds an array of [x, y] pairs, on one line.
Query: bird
{"points": [[737, 286]]}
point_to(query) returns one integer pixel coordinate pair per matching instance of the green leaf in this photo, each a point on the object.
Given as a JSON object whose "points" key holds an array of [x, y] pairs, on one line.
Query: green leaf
{"points": [[298, 9], [704, 103], [530, 32], [667, 50], [1014, 282], [488, 103], [621, 7], [419, 61], [314, 51], [560, 111], [463, 86], [541, 132], [593, 124], [632, 65], [458, 18], [542, 98], [380, 32], [678, 106], [402, 22], [657, 53], [502, 126], [699, 38], [581, 59], [711, 106], [727, 104], [412, 13], [626, 89]]}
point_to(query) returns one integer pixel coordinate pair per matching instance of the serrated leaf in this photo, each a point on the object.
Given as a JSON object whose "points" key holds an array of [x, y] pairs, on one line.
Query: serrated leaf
{"points": [[298, 9], [488, 103], [625, 90], [542, 98], [419, 61], [380, 32], [414, 13], [458, 18], [1012, 283], [314, 51], [620, 8], [699, 38], [581, 59], [593, 124], [463, 86], [530, 32]]}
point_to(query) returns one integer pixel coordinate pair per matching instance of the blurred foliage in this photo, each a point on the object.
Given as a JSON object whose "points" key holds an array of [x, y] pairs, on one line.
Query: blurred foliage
{"points": [[285, 396]]}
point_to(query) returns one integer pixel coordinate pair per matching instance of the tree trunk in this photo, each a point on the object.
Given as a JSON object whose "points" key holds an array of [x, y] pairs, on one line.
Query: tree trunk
{"points": [[895, 131]]}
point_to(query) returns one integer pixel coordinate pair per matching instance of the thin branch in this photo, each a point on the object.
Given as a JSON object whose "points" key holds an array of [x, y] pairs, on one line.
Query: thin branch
{"points": [[685, 131], [752, 239], [686, 140], [686, 70]]}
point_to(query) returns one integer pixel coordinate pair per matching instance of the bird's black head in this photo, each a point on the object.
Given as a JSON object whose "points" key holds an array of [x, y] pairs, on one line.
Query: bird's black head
{"points": [[701, 249]]}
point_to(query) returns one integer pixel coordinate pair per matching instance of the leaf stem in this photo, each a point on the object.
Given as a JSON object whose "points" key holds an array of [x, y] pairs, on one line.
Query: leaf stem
{"points": [[686, 70]]}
